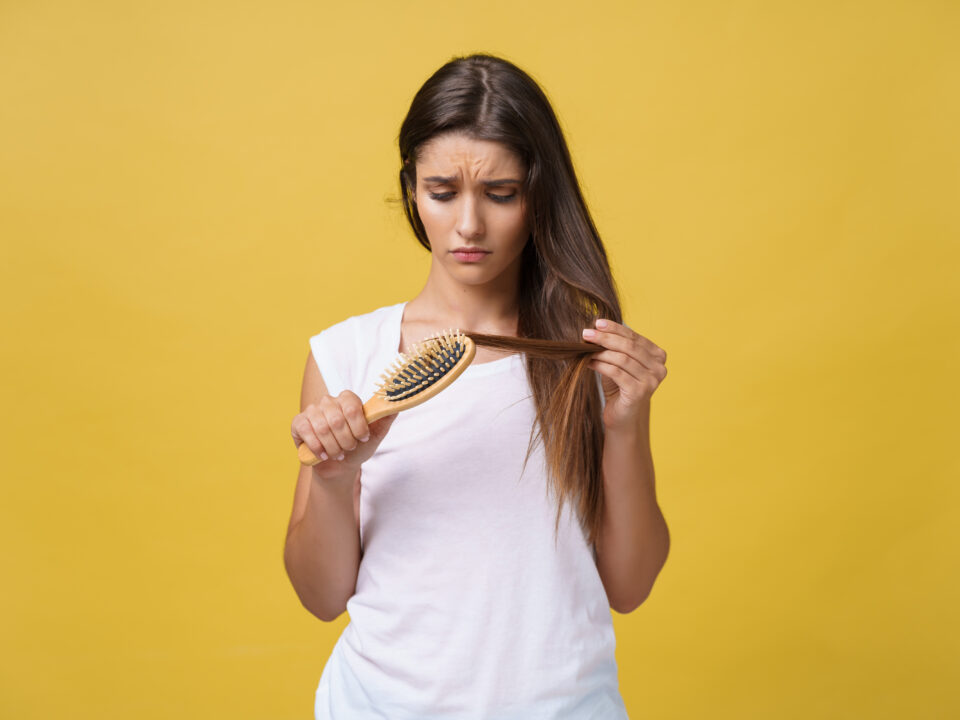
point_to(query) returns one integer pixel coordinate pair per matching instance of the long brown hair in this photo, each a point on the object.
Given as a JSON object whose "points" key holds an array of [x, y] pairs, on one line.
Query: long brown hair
{"points": [[565, 277]]}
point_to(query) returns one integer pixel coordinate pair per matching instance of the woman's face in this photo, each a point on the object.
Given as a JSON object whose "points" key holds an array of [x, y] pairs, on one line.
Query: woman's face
{"points": [[469, 195]]}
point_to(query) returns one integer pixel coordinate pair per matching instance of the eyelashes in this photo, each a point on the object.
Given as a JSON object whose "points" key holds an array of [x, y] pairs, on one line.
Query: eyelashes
{"points": [[495, 198]]}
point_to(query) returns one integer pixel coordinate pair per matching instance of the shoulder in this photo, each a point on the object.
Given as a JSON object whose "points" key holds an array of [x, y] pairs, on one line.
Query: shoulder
{"points": [[354, 332], [336, 347]]}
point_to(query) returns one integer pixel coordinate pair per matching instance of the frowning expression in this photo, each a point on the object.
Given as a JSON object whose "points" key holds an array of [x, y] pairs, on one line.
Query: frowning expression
{"points": [[469, 196]]}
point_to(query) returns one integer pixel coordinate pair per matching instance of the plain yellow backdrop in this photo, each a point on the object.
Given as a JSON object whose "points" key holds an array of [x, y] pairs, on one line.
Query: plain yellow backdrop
{"points": [[189, 190]]}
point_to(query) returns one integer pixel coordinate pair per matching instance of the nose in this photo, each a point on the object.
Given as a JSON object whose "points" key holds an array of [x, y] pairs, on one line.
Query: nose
{"points": [[470, 222]]}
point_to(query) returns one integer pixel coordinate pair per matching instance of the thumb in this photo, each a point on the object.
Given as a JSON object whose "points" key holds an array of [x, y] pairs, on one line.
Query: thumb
{"points": [[379, 428]]}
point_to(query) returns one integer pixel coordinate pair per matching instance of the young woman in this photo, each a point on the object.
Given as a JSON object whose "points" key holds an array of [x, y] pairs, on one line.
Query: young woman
{"points": [[479, 540]]}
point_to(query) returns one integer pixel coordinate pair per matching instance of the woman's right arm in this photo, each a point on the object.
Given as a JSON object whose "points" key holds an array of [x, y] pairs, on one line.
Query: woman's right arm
{"points": [[322, 549]]}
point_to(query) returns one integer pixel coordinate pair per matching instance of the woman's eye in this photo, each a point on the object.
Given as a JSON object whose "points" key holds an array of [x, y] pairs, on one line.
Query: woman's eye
{"points": [[492, 196]]}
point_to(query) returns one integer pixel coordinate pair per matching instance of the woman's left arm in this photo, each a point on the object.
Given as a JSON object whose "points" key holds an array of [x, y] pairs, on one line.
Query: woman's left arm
{"points": [[633, 542]]}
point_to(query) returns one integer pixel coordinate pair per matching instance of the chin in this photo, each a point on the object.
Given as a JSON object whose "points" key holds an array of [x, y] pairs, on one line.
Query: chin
{"points": [[473, 274]]}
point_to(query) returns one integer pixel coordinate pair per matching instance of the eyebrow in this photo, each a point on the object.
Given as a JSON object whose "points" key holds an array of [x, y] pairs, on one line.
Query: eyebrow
{"points": [[444, 180]]}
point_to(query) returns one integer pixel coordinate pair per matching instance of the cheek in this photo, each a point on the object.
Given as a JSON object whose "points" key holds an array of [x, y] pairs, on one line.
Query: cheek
{"points": [[433, 217], [507, 220], [512, 226]]}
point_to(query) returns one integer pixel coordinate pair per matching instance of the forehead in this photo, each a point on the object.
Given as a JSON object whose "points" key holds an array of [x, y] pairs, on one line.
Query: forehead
{"points": [[452, 152]]}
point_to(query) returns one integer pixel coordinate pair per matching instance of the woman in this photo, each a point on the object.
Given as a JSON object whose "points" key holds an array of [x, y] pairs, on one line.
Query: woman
{"points": [[477, 565]]}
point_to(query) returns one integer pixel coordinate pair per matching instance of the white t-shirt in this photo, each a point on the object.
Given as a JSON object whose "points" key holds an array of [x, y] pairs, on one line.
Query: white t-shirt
{"points": [[464, 606]]}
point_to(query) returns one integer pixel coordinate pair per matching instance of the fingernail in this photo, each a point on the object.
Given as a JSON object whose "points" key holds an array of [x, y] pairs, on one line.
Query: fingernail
{"points": [[587, 332], [340, 456], [601, 323], [364, 438], [323, 456]]}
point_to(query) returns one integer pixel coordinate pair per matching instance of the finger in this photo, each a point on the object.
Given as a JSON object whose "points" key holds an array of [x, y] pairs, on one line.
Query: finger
{"points": [[353, 412], [636, 345], [628, 346], [303, 432], [379, 428], [616, 328], [610, 335], [628, 384], [613, 327], [324, 431], [646, 358], [625, 362], [338, 426]]}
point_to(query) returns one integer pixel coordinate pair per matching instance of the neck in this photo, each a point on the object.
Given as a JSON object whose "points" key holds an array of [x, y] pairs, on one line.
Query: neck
{"points": [[491, 307]]}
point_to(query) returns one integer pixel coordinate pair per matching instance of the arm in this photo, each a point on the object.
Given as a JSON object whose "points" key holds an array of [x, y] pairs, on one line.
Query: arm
{"points": [[633, 541], [322, 549]]}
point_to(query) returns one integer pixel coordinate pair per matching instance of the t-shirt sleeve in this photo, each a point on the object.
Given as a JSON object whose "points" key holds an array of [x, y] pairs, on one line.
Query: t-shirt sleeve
{"points": [[324, 346]]}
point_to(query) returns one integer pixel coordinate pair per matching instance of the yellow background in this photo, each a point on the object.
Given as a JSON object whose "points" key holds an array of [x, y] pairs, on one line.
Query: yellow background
{"points": [[189, 190]]}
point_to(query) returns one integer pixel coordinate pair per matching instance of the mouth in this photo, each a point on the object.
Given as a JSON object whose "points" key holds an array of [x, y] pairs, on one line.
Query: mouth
{"points": [[469, 254]]}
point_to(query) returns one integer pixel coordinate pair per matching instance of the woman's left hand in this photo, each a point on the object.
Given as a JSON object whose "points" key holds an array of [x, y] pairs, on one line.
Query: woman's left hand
{"points": [[632, 368]]}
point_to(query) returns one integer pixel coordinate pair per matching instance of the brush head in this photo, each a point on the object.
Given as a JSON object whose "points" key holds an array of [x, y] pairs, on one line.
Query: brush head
{"points": [[433, 364]]}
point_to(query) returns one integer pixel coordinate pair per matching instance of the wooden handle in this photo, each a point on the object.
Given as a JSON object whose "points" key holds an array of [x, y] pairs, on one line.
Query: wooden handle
{"points": [[306, 455]]}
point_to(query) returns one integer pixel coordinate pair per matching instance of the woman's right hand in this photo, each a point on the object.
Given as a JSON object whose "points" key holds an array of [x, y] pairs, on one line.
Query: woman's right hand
{"points": [[337, 432]]}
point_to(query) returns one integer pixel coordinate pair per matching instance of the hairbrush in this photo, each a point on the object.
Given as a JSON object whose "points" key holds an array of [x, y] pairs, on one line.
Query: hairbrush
{"points": [[433, 364]]}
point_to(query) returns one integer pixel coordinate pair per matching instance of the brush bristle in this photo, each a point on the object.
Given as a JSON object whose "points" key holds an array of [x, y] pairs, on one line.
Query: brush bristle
{"points": [[431, 359]]}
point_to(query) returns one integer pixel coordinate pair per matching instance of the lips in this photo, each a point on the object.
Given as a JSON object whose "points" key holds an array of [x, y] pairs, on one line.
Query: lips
{"points": [[469, 255]]}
